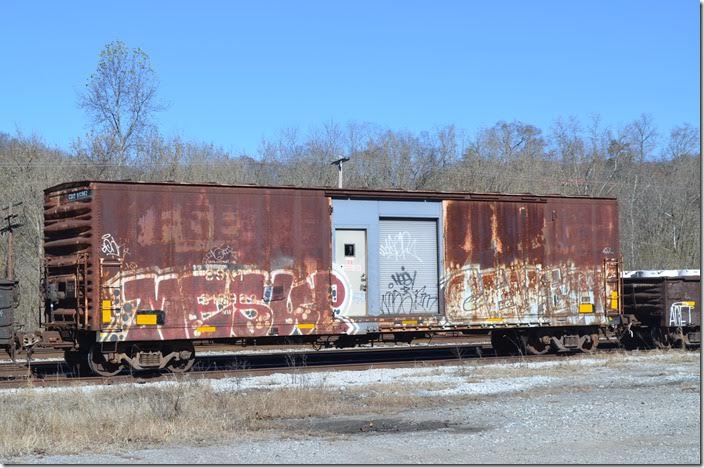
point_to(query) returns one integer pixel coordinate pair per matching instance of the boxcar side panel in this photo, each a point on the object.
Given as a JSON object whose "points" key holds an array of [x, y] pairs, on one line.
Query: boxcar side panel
{"points": [[665, 301], [683, 303], [194, 262], [533, 263], [579, 235], [493, 252], [8, 301]]}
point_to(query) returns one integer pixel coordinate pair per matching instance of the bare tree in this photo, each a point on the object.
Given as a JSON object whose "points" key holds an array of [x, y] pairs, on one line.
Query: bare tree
{"points": [[642, 135], [659, 198], [120, 100], [683, 142]]}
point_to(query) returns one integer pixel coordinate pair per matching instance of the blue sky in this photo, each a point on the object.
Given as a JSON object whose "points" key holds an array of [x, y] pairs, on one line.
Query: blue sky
{"points": [[234, 72]]}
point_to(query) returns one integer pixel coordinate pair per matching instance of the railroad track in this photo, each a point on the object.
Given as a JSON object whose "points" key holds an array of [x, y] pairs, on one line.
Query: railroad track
{"points": [[458, 340], [56, 374], [43, 357], [55, 369]]}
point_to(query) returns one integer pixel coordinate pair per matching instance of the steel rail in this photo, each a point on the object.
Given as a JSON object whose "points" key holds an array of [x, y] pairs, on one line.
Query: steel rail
{"points": [[53, 374]]}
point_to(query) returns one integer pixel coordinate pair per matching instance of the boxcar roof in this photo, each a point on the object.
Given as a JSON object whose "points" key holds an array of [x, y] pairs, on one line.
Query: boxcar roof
{"points": [[342, 193]]}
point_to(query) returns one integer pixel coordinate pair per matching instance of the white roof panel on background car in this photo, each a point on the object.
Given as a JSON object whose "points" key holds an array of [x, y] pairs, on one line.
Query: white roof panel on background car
{"points": [[659, 273]]}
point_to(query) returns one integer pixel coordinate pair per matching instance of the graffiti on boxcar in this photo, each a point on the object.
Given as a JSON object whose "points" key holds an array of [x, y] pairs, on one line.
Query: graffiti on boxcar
{"points": [[110, 248], [222, 254], [403, 280], [402, 296], [517, 291], [339, 287], [681, 313], [233, 301], [400, 246]]}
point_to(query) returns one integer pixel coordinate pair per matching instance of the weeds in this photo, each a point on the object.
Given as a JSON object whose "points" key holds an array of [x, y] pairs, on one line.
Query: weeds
{"points": [[71, 421], [188, 410], [297, 362]]}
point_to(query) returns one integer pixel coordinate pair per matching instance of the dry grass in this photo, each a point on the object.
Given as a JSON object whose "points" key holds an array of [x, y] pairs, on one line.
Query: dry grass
{"points": [[190, 411], [72, 421]]}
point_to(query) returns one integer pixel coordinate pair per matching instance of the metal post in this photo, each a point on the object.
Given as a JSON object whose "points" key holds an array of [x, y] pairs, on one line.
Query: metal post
{"points": [[13, 222], [10, 267], [338, 163]]}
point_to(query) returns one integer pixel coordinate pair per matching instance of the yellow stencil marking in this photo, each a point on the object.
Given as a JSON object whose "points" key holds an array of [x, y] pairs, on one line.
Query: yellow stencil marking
{"points": [[306, 326], [146, 319], [614, 299], [206, 329], [107, 311]]}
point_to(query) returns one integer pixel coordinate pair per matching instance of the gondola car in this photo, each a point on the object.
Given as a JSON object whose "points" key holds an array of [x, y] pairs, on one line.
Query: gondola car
{"points": [[661, 308]]}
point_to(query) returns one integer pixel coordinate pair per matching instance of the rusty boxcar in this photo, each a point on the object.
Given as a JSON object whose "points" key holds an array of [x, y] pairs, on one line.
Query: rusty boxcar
{"points": [[9, 299], [662, 308], [136, 272]]}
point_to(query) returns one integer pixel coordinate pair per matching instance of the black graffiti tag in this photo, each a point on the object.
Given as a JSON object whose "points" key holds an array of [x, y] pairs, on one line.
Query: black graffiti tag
{"points": [[403, 279], [402, 296]]}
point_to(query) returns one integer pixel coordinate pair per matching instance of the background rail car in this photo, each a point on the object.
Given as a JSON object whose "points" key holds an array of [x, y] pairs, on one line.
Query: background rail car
{"points": [[9, 300], [136, 272], [661, 308]]}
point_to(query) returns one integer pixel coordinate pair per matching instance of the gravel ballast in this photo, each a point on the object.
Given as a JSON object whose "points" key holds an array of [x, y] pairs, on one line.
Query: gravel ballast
{"points": [[636, 408]]}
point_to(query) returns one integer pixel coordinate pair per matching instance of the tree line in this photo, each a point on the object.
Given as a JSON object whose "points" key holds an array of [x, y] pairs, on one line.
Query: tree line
{"points": [[655, 175]]}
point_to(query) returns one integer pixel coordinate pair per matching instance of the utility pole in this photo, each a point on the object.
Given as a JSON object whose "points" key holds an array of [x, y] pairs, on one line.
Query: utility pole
{"points": [[9, 222], [338, 163]]}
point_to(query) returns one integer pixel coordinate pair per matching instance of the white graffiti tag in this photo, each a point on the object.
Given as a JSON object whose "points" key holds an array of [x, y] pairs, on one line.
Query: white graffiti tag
{"points": [[219, 255], [109, 246], [681, 313], [399, 247]]}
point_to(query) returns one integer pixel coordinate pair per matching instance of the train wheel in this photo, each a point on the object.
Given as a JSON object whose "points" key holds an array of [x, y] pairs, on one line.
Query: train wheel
{"points": [[641, 339], [507, 343], [99, 365], [590, 343], [77, 362], [677, 338], [660, 340], [679, 342], [648, 338], [185, 361], [537, 344]]}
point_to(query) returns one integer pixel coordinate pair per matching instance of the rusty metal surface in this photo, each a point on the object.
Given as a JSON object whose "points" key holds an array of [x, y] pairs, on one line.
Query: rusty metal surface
{"points": [[665, 301], [210, 261], [9, 298], [220, 262], [68, 240], [530, 263], [440, 195]]}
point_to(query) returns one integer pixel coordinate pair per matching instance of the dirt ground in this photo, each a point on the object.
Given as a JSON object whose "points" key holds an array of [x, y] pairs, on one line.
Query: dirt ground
{"points": [[635, 409]]}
